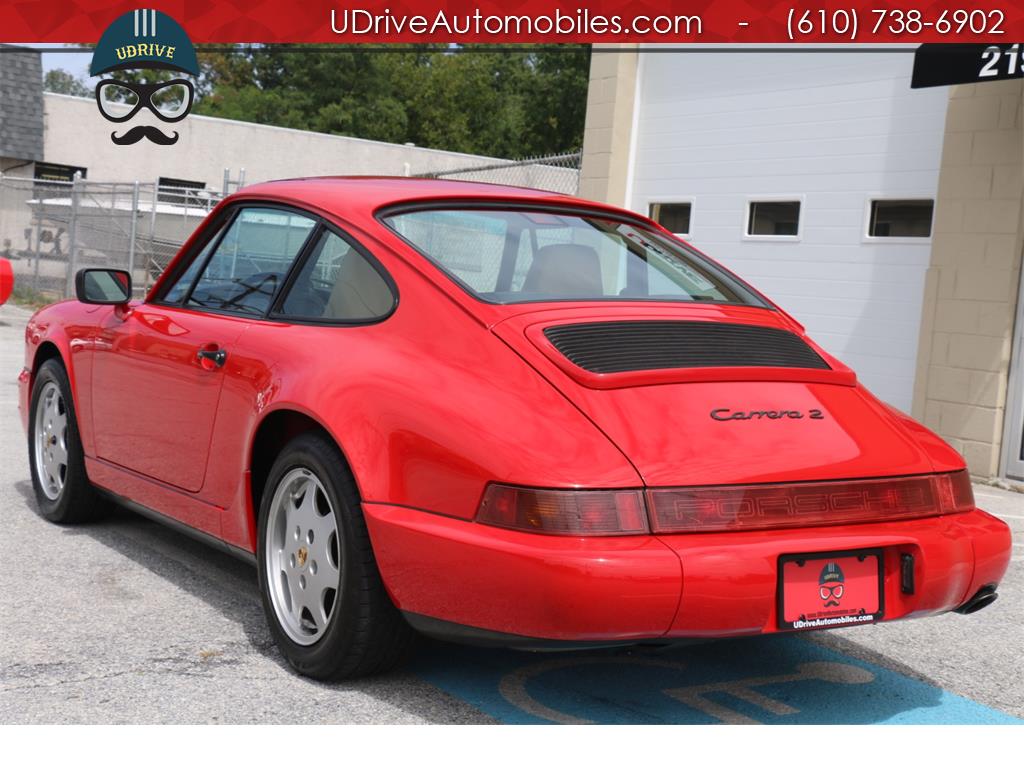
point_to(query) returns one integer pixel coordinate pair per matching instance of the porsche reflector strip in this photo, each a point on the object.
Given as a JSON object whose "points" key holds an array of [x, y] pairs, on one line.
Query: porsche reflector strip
{"points": [[692, 510]]}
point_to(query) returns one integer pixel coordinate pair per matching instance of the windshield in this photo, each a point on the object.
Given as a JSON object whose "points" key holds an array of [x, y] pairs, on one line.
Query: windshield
{"points": [[512, 256]]}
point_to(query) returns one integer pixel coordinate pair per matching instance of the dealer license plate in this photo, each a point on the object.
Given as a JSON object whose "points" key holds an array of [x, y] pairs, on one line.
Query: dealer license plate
{"points": [[824, 590]]}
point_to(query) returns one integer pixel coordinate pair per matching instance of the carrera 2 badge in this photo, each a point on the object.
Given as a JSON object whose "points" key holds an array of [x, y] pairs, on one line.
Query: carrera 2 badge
{"points": [[728, 414]]}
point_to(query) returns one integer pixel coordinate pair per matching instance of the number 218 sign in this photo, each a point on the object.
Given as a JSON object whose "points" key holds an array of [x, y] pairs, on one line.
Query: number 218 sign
{"points": [[944, 64]]}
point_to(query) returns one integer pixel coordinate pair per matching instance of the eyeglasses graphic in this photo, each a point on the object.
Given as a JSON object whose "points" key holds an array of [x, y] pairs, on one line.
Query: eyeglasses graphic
{"points": [[170, 100], [834, 592]]}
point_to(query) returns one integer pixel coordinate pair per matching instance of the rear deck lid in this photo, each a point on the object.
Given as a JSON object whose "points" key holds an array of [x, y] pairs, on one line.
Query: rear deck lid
{"points": [[715, 395]]}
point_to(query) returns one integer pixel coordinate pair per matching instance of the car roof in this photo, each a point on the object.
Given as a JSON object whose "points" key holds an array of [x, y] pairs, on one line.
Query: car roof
{"points": [[372, 192]]}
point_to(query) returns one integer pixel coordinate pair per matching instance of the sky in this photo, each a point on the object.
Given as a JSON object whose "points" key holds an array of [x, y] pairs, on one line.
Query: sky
{"points": [[75, 62]]}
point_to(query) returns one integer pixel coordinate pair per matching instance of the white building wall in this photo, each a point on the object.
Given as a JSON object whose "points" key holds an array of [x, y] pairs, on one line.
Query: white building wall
{"points": [[76, 134], [833, 129]]}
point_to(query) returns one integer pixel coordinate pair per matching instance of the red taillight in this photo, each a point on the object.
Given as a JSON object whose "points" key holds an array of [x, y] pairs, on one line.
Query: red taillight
{"points": [[724, 508], [688, 510], [568, 513], [955, 491]]}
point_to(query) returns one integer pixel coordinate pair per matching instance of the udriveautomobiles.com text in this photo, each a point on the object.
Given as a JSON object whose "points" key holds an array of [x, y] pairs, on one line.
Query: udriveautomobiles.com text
{"points": [[582, 22]]}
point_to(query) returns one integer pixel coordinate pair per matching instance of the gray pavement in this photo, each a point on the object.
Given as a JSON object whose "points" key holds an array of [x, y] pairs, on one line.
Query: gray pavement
{"points": [[976, 656], [127, 621]]}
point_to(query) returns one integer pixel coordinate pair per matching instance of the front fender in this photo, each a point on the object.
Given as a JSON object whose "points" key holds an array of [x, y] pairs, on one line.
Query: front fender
{"points": [[66, 331]]}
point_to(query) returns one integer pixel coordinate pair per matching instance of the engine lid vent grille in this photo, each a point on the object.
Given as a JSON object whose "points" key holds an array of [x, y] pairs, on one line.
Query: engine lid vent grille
{"points": [[642, 345]]}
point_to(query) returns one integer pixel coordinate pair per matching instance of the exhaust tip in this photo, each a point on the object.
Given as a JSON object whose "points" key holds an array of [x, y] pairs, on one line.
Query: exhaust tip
{"points": [[983, 598]]}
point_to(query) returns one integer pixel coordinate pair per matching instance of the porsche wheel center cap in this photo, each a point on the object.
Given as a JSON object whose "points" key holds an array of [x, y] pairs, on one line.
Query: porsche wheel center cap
{"points": [[301, 556]]}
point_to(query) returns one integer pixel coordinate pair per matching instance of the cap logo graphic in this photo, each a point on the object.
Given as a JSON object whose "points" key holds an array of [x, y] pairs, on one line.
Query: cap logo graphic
{"points": [[830, 584], [144, 39], [148, 16]]}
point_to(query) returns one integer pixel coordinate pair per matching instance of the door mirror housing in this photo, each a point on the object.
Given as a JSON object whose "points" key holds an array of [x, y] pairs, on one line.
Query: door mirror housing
{"points": [[103, 286]]}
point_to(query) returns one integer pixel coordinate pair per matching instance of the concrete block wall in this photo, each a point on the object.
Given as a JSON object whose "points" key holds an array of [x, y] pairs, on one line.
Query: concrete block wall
{"points": [[611, 101], [974, 276]]}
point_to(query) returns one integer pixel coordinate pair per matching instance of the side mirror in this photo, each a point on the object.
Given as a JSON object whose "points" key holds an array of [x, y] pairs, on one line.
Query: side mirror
{"points": [[103, 286]]}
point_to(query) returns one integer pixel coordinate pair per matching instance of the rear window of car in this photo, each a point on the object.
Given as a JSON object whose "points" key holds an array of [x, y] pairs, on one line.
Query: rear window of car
{"points": [[514, 256]]}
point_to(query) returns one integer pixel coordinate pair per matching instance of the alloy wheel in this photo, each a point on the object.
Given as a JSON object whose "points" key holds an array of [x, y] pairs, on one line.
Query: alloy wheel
{"points": [[303, 556], [51, 441]]}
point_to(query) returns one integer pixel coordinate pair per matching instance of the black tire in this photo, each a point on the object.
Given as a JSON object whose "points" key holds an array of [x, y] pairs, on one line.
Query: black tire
{"points": [[77, 501], [365, 634]]}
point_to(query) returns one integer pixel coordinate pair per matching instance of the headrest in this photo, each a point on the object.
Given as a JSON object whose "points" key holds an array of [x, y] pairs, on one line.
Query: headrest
{"points": [[565, 270]]}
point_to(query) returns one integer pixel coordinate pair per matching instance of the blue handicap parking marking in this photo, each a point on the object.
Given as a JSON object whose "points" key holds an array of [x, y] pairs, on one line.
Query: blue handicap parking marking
{"points": [[782, 679]]}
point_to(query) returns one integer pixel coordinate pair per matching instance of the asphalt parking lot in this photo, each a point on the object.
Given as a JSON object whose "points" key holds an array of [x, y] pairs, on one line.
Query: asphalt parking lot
{"points": [[127, 621]]}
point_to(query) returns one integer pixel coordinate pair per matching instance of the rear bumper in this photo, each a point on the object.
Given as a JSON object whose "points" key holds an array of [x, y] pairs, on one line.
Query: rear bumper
{"points": [[621, 589]]}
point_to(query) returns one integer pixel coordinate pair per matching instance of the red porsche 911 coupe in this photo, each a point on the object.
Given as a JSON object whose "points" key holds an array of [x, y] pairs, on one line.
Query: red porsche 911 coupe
{"points": [[495, 415]]}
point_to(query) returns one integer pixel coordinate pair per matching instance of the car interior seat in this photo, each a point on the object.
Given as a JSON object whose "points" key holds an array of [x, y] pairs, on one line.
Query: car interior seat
{"points": [[359, 291], [565, 270]]}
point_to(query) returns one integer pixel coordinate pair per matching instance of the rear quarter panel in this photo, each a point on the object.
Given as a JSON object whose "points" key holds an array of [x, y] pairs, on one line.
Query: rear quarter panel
{"points": [[427, 405]]}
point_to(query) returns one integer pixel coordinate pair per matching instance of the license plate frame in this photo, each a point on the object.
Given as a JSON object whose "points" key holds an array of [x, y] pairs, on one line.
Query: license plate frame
{"points": [[858, 559]]}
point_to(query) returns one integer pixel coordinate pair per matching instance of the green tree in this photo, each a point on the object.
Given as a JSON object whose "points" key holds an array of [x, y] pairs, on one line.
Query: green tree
{"points": [[62, 81], [471, 99], [558, 107]]}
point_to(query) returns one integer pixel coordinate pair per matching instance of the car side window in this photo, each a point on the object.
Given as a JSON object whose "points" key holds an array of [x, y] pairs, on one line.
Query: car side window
{"points": [[337, 283], [177, 291], [251, 261]]}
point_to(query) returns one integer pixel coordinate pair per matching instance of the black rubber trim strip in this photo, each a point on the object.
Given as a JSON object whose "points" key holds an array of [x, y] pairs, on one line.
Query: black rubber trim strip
{"points": [[907, 573], [193, 533], [485, 638]]}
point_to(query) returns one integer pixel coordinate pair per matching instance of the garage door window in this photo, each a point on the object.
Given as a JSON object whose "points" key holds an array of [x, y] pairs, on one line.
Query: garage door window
{"points": [[900, 218], [675, 217], [773, 218]]}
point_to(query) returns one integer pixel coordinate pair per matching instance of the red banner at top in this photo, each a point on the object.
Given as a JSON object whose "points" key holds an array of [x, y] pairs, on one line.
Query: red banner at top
{"points": [[534, 21]]}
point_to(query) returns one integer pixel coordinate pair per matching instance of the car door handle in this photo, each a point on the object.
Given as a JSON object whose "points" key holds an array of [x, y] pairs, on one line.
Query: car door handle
{"points": [[212, 357]]}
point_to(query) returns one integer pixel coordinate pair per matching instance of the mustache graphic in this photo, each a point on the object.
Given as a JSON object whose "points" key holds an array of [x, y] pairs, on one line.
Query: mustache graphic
{"points": [[831, 603], [140, 132]]}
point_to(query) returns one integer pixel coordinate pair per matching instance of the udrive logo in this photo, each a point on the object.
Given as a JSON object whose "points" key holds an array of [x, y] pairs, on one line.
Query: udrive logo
{"points": [[151, 41], [830, 584]]}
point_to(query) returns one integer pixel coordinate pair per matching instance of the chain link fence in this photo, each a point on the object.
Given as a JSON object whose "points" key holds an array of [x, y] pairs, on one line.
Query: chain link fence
{"points": [[50, 229], [553, 173]]}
